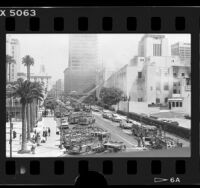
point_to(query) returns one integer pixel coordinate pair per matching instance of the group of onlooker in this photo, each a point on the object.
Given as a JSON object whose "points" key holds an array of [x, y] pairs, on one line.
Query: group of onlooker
{"points": [[37, 139]]}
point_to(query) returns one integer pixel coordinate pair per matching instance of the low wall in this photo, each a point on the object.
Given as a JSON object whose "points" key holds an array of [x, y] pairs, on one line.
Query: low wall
{"points": [[136, 107], [176, 130]]}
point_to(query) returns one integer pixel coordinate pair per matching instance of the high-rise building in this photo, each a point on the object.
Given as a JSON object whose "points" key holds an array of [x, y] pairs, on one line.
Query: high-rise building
{"points": [[13, 50], [153, 45], [181, 49], [80, 76]]}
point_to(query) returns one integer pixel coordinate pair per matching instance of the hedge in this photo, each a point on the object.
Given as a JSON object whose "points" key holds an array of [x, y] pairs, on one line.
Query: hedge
{"points": [[168, 127]]}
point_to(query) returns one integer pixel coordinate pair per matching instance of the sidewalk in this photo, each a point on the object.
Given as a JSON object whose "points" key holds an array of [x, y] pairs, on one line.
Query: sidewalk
{"points": [[48, 149]]}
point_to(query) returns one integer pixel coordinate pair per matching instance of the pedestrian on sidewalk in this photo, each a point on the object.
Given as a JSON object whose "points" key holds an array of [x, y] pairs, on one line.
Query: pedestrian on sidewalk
{"points": [[33, 148], [45, 135], [38, 139], [49, 131]]}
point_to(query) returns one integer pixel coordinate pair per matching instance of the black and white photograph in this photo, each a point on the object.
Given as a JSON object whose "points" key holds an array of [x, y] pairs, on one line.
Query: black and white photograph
{"points": [[98, 95]]}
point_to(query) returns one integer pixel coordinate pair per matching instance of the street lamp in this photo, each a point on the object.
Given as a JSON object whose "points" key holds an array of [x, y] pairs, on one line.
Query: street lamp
{"points": [[128, 99]]}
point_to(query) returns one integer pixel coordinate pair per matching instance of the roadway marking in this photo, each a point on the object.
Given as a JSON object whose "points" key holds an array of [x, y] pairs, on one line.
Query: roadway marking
{"points": [[120, 136]]}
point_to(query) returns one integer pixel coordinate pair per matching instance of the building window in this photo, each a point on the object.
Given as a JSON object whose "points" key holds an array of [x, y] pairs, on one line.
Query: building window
{"points": [[139, 74], [156, 49], [177, 104], [166, 99], [182, 74], [140, 99], [180, 104], [157, 101], [173, 104], [174, 91], [187, 81], [158, 86], [166, 87], [175, 74]]}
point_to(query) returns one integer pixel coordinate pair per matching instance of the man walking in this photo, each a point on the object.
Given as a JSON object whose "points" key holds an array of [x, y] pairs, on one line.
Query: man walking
{"points": [[45, 134], [49, 131]]}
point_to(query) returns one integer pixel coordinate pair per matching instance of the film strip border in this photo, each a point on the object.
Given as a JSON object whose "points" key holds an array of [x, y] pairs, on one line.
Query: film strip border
{"points": [[128, 170], [83, 24], [107, 20]]}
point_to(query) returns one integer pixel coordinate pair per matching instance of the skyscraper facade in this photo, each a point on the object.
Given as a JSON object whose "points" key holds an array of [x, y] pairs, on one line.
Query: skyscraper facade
{"points": [[181, 49], [80, 76]]}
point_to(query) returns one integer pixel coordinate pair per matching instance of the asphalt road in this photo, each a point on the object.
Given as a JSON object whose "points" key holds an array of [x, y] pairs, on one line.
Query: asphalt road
{"points": [[116, 132]]}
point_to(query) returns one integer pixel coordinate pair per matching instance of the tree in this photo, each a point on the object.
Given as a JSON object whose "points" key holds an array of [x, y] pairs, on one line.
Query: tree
{"points": [[91, 99], [110, 96], [37, 94], [28, 61], [21, 90], [26, 91]]}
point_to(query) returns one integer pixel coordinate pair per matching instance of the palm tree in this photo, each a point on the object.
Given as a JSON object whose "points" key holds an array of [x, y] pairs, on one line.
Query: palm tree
{"points": [[37, 94], [28, 61], [9, 61], [26, 91], [21, 90]]}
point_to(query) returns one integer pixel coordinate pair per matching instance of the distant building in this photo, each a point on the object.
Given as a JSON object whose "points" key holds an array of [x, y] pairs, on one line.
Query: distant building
{"points": [[13, 49], [57, 89], [155, 77], [102, 76], [42, 77], [153, 45], [181, 49], [80, 75]]}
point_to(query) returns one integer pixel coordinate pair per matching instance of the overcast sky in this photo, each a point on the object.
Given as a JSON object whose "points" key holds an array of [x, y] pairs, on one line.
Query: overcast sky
{"points": [[52, 50]]}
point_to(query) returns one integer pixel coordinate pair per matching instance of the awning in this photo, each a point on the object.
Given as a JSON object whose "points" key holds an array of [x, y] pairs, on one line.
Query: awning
{"points": [[175, 99]]}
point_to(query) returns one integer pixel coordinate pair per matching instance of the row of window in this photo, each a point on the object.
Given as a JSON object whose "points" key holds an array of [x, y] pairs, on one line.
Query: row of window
{"points": [[175, 74], [156, 49], [176, 104]]}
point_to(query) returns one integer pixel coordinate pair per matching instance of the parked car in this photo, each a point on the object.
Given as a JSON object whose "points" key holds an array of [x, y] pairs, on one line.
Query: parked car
{"points": [[116, 118], [96, 108], [173, 122], [153, 117], [170, 121], [125, 124], [144, 115], [107, 115]]}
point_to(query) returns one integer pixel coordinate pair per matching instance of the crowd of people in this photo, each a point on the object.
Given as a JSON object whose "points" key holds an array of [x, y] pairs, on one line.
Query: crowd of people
{"points": [[37, 138]]}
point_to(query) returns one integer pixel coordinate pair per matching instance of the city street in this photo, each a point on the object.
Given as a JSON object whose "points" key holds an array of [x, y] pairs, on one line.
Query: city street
{"points": [[51, 149], [116, 132]]}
